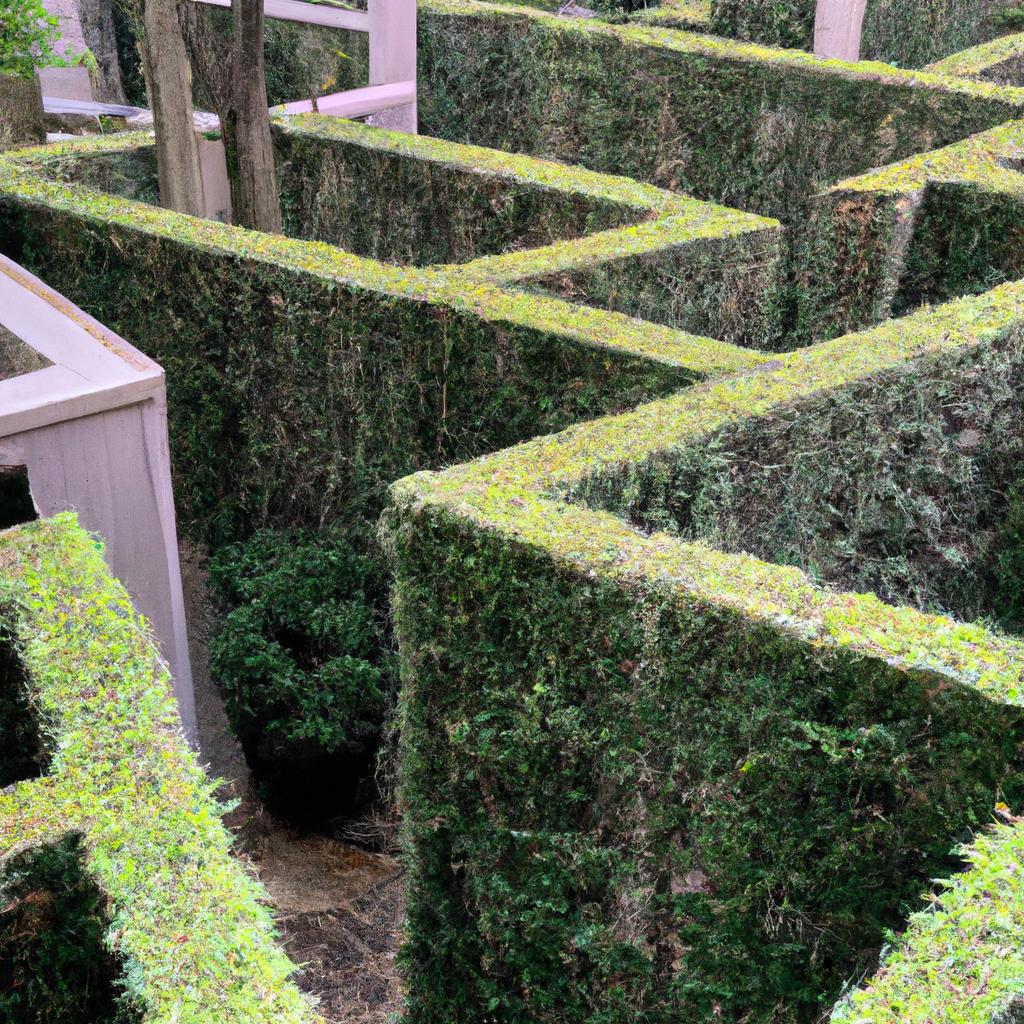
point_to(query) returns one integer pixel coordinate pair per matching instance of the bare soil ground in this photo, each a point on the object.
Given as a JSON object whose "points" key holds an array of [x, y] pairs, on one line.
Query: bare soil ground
{"points": [[339, 907]]}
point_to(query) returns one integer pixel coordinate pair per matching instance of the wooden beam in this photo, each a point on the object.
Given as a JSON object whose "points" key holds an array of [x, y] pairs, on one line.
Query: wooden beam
{"points": [[308, 14], [356, 102], [91, 431]]}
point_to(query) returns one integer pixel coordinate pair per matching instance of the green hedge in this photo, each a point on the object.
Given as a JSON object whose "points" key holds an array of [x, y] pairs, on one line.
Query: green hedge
{"points": [[302, 379], [411, 201], [907, 33], [505, 219], [647, 780], [788, 23], [123, 831], [924, 230], [960, 961], [1000, 61], [898, 486], [743, 125]]}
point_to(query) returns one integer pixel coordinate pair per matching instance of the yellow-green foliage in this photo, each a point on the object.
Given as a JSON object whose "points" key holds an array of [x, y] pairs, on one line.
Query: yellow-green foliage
{"points": [[985, 161], [962, 959], [712, 46], [984, 61], [506, 580], [23, 179], [516, 493], [187, 920]]}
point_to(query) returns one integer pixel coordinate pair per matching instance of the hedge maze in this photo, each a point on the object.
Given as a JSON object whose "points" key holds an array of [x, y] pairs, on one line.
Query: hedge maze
{"points": [[690, 445]]}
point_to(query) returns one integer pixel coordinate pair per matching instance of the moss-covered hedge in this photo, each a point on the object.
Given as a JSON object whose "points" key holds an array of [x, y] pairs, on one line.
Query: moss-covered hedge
{"points": [[743, 125], [417, 200], [898, 485], [302, 379], [121, 838], [923, 230], [647, 780], [960, 961], [908, 33], [1001, 61]]}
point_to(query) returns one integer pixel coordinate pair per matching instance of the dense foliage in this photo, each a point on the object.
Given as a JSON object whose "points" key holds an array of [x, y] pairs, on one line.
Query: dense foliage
{"points": [[303, 661], [134, 888], [907, 33], [1008, 603], [28, 36], [54, 965], [681, 783], [777, 22]]}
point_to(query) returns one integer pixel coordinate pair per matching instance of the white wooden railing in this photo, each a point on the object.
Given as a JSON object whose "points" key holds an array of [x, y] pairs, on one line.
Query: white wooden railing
{"points": [[389, 100]]}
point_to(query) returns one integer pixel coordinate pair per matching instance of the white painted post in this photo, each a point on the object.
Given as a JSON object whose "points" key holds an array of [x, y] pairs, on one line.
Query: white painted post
{"points": [[837, 29], [91, 431], [213, 168], [393, 57]]}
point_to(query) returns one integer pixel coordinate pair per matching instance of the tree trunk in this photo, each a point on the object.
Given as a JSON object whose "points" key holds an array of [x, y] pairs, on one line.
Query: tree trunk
{"points": [[229, 65], [837, 29], [168, 80], [246, 124]]}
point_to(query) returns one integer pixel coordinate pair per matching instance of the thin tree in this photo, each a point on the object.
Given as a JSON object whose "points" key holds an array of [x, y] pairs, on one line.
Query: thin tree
{"points": [[168, 77], [231, 73]]}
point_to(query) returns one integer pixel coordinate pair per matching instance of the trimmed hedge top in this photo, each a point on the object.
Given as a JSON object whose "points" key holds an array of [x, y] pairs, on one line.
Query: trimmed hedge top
{"points": [[985, 160], [521, 492], [23, 179], [512, 167], [962, 959], [714, 46], [526, 497], [982, 61], [189, 923]]}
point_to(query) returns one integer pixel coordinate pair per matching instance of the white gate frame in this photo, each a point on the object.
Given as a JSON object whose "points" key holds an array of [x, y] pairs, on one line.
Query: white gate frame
{"points": [[90, 429], [390, 98]]}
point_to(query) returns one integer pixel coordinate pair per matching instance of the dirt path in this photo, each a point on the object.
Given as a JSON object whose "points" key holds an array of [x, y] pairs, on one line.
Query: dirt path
{"points": [[339, 908]]}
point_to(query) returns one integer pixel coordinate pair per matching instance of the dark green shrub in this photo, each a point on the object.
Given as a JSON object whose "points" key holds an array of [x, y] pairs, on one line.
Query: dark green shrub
{"points": [[774, 22], [21, 754], [54, 965], [304, 666]]}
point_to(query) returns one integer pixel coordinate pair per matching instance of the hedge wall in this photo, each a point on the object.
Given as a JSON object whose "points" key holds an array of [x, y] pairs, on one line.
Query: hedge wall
{"points": [[907, 33], [961, 958], [646, 780], [417, 200], [743, 125], [116, 876], [897, 485], [604, 241], [1000, 61], [303, 379], [924, 230]]}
